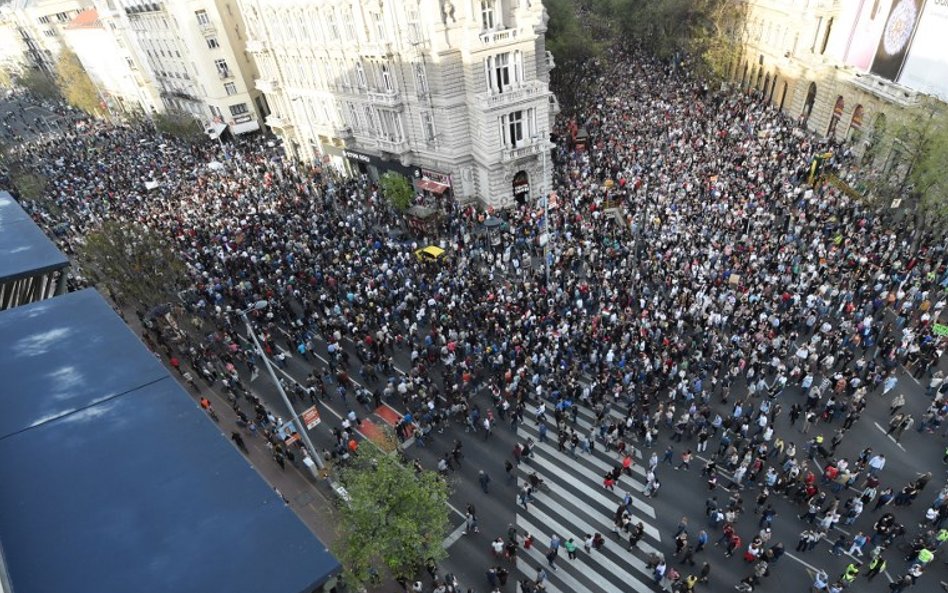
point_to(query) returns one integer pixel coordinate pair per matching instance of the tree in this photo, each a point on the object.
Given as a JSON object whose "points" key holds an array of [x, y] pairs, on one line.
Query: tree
{"points": [[179, 126], [397, 190], [574, 51], [134, 262], [906, 159], [709, 30], [395, 518], [77, 88], [38, 83]]}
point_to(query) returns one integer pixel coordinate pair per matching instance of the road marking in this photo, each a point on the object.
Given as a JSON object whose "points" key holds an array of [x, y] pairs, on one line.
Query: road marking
{"points": [[455, 535], [891, 438]]}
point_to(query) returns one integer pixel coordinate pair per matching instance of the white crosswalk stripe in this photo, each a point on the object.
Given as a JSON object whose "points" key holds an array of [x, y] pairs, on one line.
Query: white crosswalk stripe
{"points": [[575, 504]]}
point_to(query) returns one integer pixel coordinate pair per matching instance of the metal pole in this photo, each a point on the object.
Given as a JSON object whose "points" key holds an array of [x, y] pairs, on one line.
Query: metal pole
{"points": [[300, 428]]}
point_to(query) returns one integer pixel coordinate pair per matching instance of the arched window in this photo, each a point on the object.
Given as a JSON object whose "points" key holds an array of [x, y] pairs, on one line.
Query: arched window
{"points": [[838, 109], [810, 101]]}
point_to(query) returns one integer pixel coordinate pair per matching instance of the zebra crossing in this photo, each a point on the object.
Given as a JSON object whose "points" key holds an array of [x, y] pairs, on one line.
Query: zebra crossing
{"points": [[575, 504]]}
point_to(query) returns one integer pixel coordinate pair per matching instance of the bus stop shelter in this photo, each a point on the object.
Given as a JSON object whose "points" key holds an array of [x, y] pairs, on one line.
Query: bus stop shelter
{"points": [[32, 268], [114, 480]]}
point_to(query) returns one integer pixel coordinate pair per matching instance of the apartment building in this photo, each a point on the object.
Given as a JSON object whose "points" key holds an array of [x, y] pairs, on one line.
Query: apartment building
{"points": [[122, 89], [837, 64], [40, 24], [194, 52], [13, 53], [454, 95]]}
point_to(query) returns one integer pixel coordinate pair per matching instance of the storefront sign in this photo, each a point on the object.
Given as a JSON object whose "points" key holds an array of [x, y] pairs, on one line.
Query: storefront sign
{"points": [[357, 156]]}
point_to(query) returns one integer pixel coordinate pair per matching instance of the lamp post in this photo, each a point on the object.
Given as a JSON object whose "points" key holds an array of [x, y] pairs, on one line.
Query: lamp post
{"points": [[295, 419]]}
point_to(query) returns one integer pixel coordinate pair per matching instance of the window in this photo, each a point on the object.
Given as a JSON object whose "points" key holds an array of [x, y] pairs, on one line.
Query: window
{"points": [[427, 126], [421, 79], [222, 69], [369, 119], [215, 111], [513, 134], [391, 125], [518, 128], [414, 25], [231, 89], [816, 34], [387, 82], [501, 73], [333, 27], [826, 35], [202, 18], [212, 43], [239, 109], [360, 75], [379, 26], [348, 24], [487, 15]]}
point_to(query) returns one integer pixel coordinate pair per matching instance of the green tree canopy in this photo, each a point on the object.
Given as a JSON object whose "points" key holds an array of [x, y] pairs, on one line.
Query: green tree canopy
{"points": [[395, 519], [397, 190], [40, 85], [77, 88], [179, 126], [134, 262]]}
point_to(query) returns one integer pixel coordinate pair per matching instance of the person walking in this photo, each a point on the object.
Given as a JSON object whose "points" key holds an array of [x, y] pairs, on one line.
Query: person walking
{"points": [[570, 547], [483, 479]]}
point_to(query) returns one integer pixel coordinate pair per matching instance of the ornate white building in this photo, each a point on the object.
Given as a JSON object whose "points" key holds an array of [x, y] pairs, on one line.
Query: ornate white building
{"points": [[453, 94]]}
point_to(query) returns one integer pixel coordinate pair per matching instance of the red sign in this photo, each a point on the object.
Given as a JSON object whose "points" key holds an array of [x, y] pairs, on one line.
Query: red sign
{"points": [[311, 417]]}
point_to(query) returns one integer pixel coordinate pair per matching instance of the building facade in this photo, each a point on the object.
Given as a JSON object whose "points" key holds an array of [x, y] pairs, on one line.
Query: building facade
{"points": [[815, 60], [194, 52], [108, 63], [13, 53], [455, 95], [41, 24]]}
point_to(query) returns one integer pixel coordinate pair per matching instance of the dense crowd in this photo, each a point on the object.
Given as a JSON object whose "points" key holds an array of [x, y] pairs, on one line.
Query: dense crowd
{"points": [[696, 276]]}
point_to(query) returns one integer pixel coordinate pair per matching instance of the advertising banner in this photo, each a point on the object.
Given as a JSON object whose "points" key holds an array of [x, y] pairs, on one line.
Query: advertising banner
{"points": [[896, 38], [926, 68]]}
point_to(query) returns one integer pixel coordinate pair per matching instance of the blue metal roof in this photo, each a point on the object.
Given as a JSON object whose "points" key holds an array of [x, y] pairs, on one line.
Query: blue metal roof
{"points": [[24, 249], [115, 481]]}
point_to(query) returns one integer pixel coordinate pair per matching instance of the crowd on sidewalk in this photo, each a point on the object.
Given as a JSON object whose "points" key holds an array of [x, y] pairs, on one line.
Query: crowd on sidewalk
{"points": [[730, 282]]}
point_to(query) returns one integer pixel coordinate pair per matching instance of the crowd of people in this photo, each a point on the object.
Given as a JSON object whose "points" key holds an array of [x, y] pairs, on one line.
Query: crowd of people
{"points": [[697, 276]]}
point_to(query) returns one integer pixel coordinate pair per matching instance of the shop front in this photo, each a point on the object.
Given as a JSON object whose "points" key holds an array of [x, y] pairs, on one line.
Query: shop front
{"points": [[362, 163]]}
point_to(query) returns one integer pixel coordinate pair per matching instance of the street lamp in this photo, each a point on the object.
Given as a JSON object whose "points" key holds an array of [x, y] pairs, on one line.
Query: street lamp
{"points": [[295, 419]]}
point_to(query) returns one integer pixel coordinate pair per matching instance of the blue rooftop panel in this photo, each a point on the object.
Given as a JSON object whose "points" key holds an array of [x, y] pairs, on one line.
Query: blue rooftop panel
{"points": [[129, 487], [24, 249]]}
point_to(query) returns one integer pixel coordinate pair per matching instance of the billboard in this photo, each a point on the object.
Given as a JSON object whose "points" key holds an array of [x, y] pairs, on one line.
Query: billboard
{"points": [[896, 38], [868, 22], [926, 67]]}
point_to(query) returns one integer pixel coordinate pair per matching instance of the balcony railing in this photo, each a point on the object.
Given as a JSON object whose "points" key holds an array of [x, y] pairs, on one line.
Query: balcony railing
{"points": [[497, 37], [267, 85], [511, 96], [393, 146], [278, 121], [512, 154], [207, 29], [388, 99]]}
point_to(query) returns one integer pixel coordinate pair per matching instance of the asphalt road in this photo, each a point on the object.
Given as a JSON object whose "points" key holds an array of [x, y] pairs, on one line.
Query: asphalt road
{"points": [[577, 504]]}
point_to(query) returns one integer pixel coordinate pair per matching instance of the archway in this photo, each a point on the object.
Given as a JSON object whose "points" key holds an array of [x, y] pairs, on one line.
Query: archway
{"points": [[759, 79], [744, 75], [783, 94], [810, 101], [521, 187], [875, 137], [766, 85], [855, 125], [838, 109]]}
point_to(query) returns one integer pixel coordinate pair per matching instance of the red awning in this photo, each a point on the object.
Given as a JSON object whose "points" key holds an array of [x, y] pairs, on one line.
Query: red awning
{"points": [[432, 186]]}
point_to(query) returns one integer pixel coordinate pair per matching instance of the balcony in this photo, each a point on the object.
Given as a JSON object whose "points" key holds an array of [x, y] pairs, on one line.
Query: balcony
{"points": [[531, 90], [255, 46], [393, 146], [489, 38], [520, 152], [342, 132], [268, 85], [385, 99], [376, 48], [278, 122], [207, 29], [224, 74]]}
